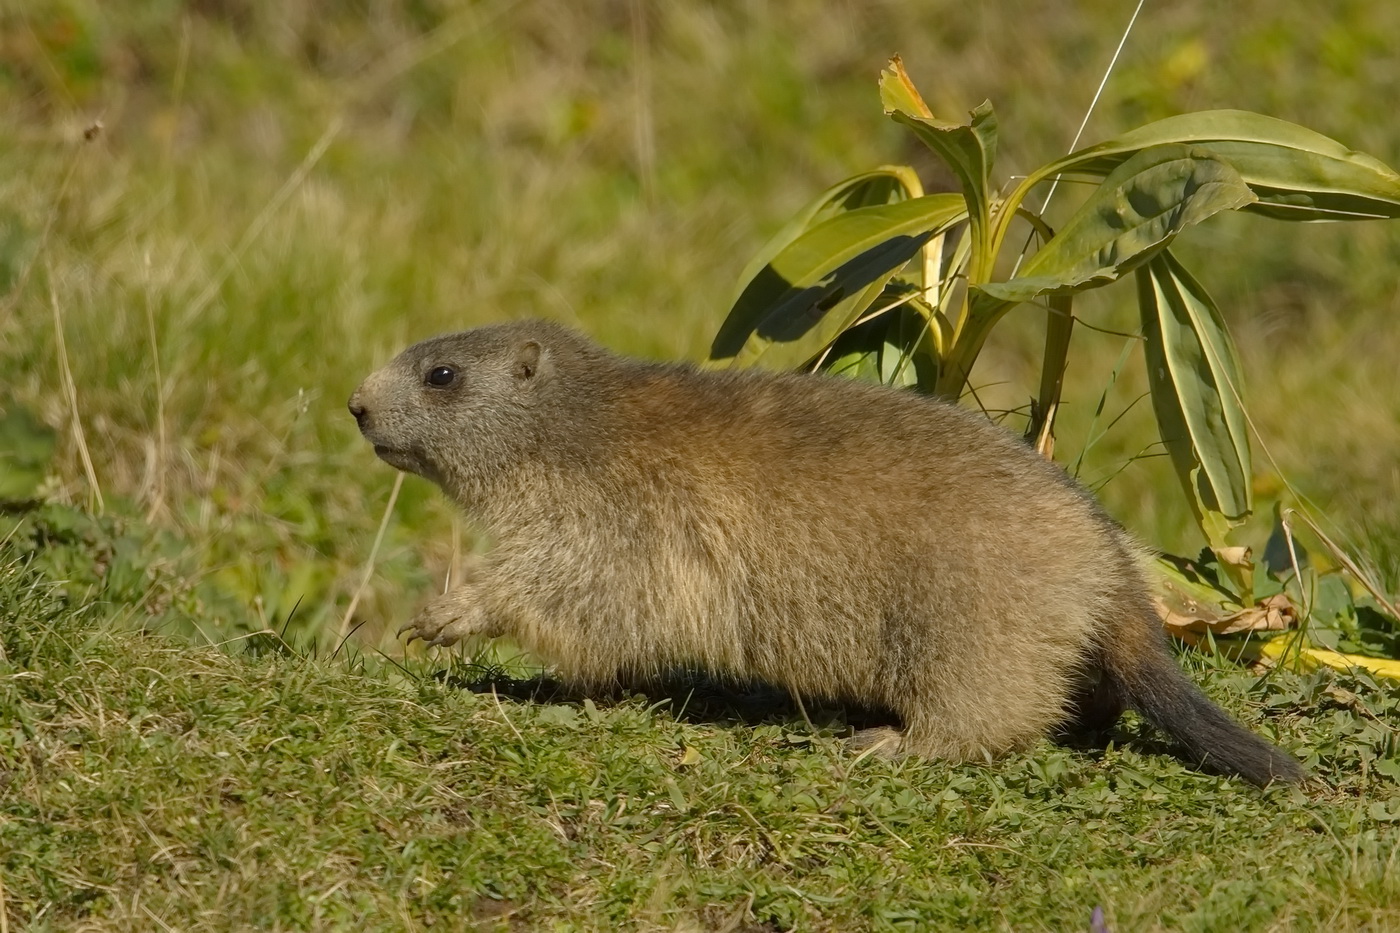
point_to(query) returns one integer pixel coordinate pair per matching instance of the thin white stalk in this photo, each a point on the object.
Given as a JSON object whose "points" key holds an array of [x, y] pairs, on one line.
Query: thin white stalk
{"points": [[373, 557], [1103, 83]]}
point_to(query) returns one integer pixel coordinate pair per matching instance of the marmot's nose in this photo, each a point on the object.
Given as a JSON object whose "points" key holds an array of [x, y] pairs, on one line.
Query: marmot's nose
{"points": [[357, 409]]}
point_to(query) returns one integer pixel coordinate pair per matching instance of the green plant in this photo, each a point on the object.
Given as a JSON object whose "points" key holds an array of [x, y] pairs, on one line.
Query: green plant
{"points": [[879, 280]]}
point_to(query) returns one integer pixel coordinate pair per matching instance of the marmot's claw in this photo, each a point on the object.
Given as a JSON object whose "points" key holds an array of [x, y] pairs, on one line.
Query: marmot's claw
{"points": [[421, 628]]}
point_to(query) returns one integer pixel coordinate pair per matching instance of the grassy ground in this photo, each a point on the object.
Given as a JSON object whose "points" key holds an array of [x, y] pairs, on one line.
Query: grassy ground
{"points": [[149, 785], [281, 194]]}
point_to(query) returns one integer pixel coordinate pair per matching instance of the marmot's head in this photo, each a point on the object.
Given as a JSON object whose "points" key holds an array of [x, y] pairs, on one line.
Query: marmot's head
{"points": [[458, 407]]}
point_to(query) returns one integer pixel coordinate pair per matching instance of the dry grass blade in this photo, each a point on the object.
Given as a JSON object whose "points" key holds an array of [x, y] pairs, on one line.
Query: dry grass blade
{"points": [[70, 393], [370, 561], [1343, 558]]}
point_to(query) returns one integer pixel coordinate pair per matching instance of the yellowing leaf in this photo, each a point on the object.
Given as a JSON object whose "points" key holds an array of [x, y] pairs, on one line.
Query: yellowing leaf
{"points": [[1274, 614], [897, 91], [1287, 650]]}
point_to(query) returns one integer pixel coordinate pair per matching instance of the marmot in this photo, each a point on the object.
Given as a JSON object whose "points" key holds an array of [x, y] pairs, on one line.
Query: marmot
{"points": [[838, 539]]}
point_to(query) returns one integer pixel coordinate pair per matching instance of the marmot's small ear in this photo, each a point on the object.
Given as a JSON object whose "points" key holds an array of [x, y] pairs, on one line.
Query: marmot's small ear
{"points": [[526, 363]]}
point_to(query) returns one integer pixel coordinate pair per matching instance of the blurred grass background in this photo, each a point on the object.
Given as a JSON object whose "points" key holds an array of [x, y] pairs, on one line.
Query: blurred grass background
{"points": [[284, 193]]}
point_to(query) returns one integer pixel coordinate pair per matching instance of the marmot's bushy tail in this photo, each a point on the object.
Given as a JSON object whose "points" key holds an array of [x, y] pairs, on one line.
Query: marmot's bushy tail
{"points": [[1146, 676]]}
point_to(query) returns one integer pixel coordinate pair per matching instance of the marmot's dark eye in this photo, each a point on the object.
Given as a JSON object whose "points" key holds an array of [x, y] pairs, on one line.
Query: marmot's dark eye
{"points": [[441, 376]]}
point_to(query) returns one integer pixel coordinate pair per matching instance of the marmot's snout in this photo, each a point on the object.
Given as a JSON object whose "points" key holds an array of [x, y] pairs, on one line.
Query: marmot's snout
{"points": [[379, 425], [357, 408], [362, 401]]}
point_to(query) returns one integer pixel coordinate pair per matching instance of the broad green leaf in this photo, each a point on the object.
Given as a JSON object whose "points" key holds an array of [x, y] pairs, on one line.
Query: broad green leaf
{"points": [[894, 349], [1181, 583], [1136, 211], [884, 185], [826, 278], [968, 148], [1296, 173], [798, 331], [1194, 377]]}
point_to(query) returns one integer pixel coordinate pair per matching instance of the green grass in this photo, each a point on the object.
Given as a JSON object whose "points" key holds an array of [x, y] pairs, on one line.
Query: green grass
{"points": [[149, 784], [282, 194]]}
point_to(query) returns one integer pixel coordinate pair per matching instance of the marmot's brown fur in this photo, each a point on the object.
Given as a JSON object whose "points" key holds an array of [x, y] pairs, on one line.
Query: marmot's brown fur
{"points": [[838, 539]]}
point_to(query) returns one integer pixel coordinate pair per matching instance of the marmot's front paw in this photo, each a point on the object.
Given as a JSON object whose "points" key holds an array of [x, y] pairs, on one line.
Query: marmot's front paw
{"points": [[448, 619]]}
